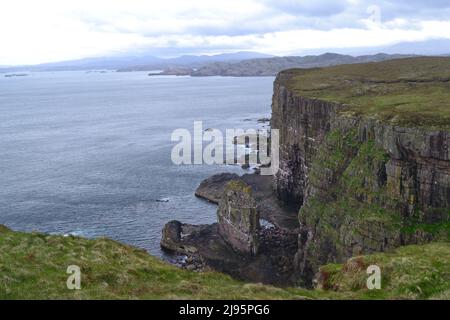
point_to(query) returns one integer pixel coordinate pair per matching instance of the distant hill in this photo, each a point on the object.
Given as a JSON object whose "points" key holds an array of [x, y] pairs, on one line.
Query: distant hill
{"points": [[271, 66], [432, 47], [138, 62], [107, 63], [238, 64], [193, 61]]}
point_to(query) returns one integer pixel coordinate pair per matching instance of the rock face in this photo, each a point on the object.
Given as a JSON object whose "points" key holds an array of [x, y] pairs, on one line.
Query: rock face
{"points": [[303, 124], [212, 188], [171, 235], [269, 207], [238, 218], [237, 245], [362, 185], [362, 175]]}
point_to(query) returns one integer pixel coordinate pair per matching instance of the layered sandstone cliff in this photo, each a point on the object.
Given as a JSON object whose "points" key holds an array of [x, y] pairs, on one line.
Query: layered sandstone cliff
{"points": [[364, 155]]}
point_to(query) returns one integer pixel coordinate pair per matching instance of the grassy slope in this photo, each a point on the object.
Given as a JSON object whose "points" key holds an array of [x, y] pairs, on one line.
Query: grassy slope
{"points": [[406, 92], [33, 265], [411, 272]]}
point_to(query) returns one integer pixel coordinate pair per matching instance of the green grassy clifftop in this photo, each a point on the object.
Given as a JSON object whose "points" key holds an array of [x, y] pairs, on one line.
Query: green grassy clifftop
{"points": [[33, 266], [404, 92]]}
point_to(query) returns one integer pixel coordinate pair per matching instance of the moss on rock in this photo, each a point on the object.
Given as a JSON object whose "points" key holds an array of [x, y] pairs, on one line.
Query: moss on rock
{"points": [[351, 210]]}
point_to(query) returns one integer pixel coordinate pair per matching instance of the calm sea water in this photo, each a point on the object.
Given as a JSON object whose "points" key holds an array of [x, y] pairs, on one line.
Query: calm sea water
{"points": [[89, 153]]}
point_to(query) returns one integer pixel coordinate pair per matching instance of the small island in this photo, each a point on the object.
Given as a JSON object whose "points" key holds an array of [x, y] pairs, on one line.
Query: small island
{"points": [[12, 75]]}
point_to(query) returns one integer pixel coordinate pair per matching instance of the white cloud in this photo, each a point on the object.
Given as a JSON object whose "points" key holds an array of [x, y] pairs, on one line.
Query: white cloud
{"points": [[50, 30]]}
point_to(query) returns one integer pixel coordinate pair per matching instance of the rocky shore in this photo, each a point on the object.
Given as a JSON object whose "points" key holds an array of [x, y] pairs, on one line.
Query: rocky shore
{"points": [[255, 238]]}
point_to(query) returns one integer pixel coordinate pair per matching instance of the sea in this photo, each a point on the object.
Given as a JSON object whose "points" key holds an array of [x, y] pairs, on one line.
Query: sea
{"points": [[89, 153]]}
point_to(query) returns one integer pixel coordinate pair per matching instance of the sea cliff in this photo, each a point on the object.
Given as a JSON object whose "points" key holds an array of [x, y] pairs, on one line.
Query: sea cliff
{"points": [[364, 155]]}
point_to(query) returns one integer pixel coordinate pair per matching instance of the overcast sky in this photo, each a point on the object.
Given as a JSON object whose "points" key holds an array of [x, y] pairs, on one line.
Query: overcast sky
{"points": [[35, 31]]}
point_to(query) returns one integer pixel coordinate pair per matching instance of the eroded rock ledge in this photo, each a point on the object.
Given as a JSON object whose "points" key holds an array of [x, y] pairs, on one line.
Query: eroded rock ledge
{"points": [[212, 188], [269, 206], [238, 244]]}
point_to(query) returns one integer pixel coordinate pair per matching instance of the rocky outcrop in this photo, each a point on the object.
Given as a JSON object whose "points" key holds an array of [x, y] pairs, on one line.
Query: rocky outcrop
{"points": [[238, 244], [204, 248], [171, 235], [362, 185], [212, 188], [269, 207], [238, 218]]}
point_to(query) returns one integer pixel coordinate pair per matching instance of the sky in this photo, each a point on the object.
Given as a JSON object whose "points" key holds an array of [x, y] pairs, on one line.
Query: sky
{"points": [[41, 31]]}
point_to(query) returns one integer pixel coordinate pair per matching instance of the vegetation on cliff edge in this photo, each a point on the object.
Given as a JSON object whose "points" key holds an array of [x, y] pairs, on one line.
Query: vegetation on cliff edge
{"points": [[405, 92], [410, 272], [33, 266]]}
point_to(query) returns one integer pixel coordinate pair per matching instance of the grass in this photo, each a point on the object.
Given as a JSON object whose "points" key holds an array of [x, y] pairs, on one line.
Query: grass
{"points": [[33, 266], [411, 272], [405, 92]]}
